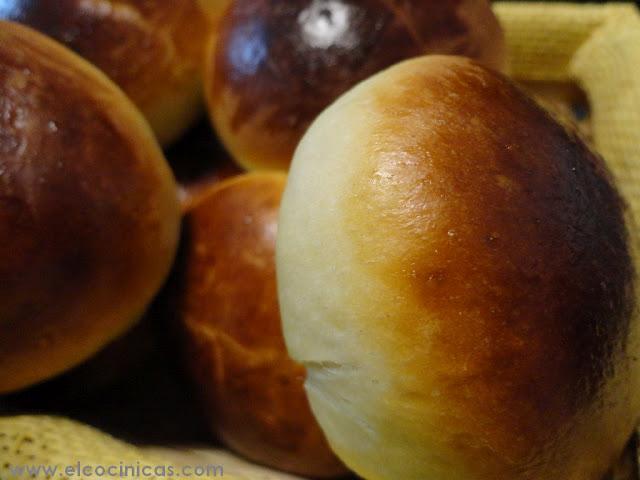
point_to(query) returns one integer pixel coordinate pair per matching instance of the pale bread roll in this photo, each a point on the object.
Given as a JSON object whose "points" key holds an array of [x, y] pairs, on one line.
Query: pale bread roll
{"points": [[457, 275]]}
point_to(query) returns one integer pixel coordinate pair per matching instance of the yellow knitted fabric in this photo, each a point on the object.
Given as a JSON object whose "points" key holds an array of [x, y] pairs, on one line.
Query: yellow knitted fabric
{"points": [[31, 441], [598, 47]]}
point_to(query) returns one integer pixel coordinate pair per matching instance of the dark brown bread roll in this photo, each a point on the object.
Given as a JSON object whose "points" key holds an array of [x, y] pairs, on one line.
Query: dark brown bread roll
{"points": [[152, 49], [458, 274], [276, 65], [89, 212], [251, 388]]}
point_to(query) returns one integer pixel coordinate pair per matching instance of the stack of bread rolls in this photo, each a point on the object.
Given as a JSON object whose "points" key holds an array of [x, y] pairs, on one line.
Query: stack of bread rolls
{"points": [[455, 270], [266, 79]]}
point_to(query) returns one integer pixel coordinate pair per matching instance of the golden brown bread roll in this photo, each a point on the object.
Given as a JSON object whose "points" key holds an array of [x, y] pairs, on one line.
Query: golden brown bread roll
{"points": [[250, 387], [89, 214], [457, 274], [152, 49], [275, 66]]}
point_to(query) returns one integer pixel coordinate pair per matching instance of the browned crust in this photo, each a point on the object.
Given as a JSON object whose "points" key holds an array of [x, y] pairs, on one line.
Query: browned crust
{"points": [[265, 87], [88, 209], [509, 236], [252, 389]]}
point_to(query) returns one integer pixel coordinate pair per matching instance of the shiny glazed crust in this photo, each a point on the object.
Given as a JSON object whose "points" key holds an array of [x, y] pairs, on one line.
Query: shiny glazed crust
{"points": [[152, 49], [251, 389], [274, 66], [89, 215], [456, 273]]}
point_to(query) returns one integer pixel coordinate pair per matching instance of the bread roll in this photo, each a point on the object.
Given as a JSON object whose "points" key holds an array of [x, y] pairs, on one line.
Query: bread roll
{"points": [[457, 275], [152, 49], [89, 215], [250, 387], [276, 65]]}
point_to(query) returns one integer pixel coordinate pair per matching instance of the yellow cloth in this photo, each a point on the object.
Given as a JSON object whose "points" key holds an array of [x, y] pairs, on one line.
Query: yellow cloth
{"points": [[598, 47], [49, 441], [33, 441]]}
